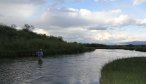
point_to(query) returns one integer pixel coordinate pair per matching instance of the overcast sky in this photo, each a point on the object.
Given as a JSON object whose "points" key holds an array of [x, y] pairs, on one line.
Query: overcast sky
{"points": [[92, 21]]}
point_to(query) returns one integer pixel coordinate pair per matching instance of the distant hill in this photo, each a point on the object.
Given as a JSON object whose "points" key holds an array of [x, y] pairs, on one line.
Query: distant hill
{"points": [[136, 43]]}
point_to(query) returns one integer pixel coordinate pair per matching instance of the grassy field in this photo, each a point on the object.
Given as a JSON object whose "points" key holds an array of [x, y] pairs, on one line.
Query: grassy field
{"points": [[125, 71]]}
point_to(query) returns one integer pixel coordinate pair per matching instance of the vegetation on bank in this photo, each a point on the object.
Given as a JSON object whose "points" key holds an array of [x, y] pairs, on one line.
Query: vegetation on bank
{"points": [[24, 42], [126, 47], [129, 47], [125, 71]]}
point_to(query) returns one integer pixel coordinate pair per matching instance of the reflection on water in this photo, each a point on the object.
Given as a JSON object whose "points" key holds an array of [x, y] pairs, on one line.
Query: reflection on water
{"points": [[70, 69], [40, 62]]}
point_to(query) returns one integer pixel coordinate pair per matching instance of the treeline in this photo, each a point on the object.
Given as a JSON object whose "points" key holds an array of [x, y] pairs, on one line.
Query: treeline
{"points": [[24, 42], [95, 45], [126, 47], [129, 47]]}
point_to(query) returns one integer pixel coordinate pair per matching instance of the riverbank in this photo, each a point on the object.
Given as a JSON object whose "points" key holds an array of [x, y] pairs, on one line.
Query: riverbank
{"points": [[24, 42], [141, 48], [125, 71]]}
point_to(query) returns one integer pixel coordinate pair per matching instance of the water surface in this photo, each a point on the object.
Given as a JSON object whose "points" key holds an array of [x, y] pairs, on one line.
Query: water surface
{"points": [[68, 69]]}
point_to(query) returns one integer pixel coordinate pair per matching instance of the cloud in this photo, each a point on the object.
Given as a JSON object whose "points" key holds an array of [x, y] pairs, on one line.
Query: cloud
{"points": [[57, 3], [41, 31], [103, 0], [23, 11], [82, 25], [22, 1], [137, 2], [70, 17], [60, 3], [122, 20], [18, 11], [84, 35], [63, 18], [97, 27], [141, 22]]}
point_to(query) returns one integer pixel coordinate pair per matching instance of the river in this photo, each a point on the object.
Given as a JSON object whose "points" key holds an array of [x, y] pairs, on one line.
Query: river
{"points": [[67, 69]]}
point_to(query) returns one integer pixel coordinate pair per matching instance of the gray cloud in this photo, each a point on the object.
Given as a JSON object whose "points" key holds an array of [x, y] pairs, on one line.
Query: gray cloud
{"points": [[100, 20], [60, 3], [63, 18], [1, 15], [22, 1], [98, 27], [18, 11]]}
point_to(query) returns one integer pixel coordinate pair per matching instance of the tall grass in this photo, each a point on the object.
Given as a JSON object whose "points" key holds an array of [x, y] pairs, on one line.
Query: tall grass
{"points": [[25, 43], [125, 71]]}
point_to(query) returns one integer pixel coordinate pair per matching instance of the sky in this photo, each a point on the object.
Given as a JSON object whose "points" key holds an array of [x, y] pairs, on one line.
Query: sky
{"points": [[85, 21]]}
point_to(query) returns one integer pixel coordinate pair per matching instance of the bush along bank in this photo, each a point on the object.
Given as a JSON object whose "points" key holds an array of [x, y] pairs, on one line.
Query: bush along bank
{"points": [[24, 43]]}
